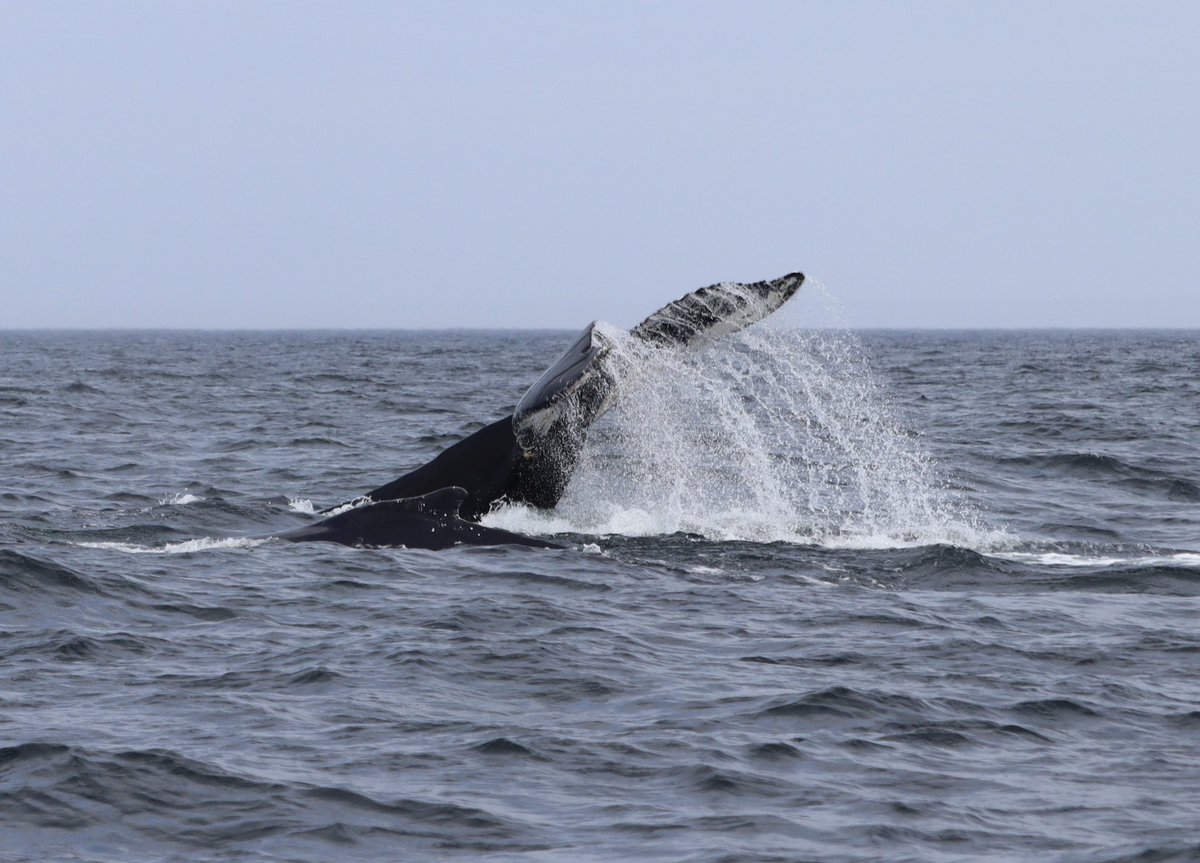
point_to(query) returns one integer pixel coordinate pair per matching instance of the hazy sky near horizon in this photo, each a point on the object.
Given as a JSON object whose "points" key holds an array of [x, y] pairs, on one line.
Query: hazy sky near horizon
{"points": [[508, 164]]}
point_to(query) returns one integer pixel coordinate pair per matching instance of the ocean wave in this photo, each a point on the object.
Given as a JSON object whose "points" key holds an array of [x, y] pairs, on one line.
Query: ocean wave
{"points": [[840, 702], [318, 442], [20, 572], [187, 802], [81, 387], [1159, 580], [1100, 466], [70, 646]]}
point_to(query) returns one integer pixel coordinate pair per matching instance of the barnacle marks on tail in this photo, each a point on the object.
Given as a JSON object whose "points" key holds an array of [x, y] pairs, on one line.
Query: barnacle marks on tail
{"points": [[580, 387], [716, 311]]}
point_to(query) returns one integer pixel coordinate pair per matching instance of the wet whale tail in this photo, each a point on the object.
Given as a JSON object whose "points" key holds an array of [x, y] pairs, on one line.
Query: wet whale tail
{"points": [[580, 386], [713, 312]]}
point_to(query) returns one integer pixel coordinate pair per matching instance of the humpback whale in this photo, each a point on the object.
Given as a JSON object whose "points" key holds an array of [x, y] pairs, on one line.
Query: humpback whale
{"points": [[529, 455]]}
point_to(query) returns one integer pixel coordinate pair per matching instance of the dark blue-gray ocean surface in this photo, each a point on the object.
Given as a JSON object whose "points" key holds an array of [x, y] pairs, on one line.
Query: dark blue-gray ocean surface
{"points": [[895, 596]]}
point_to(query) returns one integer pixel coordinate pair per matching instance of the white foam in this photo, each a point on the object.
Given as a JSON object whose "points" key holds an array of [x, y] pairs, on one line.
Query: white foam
{"points": [[301, 504], [346, 507], [1190, 560], [185, 547], [182, 498]]}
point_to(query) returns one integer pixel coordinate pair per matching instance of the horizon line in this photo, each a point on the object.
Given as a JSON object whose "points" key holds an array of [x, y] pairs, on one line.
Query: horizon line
{"points": [[450, 329]]}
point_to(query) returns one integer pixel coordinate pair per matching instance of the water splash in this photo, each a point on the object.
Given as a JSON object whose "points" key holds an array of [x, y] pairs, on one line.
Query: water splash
{"points": [[182, 498], [775, 434]]}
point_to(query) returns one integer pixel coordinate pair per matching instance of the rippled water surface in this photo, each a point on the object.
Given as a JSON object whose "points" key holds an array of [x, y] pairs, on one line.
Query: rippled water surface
{"points": [[895, 596]]}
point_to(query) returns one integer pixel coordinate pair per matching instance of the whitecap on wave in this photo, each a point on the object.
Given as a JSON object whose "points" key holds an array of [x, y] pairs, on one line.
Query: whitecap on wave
{"points": [[182, 498], [185, 547], [1184, 559]]}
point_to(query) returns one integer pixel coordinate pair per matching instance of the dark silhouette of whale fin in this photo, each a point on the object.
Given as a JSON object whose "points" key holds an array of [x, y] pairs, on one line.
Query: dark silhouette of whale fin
{"points": [[444, 501], [716, 311], [480, 465]]}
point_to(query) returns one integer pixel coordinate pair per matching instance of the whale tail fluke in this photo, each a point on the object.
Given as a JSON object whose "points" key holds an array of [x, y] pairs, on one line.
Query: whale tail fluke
{"points": [[580, 387], [716, 311]]}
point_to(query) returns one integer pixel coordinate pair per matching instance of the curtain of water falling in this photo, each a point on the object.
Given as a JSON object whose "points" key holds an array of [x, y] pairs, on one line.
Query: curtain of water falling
{"points": [[773, 434]]}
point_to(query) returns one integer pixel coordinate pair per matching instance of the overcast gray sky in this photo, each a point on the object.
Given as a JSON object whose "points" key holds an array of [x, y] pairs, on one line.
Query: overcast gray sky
{"points": [[506, 164]]}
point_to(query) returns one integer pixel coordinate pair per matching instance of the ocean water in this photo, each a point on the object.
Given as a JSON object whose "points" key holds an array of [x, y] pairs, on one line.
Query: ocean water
{"points": [[903, 596]]}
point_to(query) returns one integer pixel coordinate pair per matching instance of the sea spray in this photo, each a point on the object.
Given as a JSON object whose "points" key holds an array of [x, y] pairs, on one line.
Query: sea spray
{"points": [[775, 434]]}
